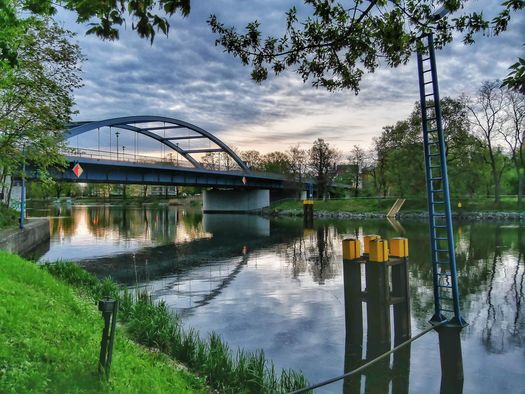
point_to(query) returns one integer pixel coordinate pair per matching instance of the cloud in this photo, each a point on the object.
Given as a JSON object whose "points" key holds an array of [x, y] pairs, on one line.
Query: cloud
{"points": [[187, 77]]}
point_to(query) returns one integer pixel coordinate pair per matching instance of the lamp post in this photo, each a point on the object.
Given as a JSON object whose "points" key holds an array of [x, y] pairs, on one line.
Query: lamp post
{"points": [[117, 133], [23, 190]]}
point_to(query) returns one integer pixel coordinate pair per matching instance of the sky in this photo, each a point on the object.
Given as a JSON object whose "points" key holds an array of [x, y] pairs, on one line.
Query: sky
{"points": [[187, 77]]}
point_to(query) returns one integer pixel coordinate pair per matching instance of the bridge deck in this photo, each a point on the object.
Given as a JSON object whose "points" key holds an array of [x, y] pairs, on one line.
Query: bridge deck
{"points": [[164, 173]]}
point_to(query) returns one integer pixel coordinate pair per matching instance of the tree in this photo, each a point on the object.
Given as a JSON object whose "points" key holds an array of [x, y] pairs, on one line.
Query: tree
{"points": [[253, 159], [36, 94], [323, 163], [357, 159], [210, 160], [276, 162], [402, 152], [219, 161], [379, 169], [513, 133], [337, 43], [466, 168], [103, 17], [486, 116], [298, 159]]}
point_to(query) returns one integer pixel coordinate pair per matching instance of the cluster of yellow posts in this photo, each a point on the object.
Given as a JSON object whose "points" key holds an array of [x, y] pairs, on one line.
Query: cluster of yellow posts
{"points": [[375, 249]]}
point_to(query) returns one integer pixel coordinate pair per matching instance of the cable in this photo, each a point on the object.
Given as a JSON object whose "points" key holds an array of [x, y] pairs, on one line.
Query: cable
{"points": [[378, 358]]}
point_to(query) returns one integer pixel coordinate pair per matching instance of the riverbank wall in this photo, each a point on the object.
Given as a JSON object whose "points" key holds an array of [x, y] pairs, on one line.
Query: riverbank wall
{"points": [[18, 241], [471, 216]]}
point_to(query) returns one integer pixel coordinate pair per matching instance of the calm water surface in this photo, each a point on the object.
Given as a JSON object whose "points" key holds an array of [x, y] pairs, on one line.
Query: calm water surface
{"points": [[275, 285]]}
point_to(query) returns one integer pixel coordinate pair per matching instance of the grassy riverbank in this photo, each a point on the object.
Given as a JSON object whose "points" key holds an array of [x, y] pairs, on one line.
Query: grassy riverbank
{"points": [[382, 205], [59, 330], [50, 339]]}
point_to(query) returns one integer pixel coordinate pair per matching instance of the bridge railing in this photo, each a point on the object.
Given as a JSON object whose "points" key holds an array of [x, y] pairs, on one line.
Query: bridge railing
{"points": [[127, 157], [170, 160]]}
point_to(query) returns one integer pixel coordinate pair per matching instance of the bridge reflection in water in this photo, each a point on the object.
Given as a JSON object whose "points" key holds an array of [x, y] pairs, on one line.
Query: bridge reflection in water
{"points": [[369, 312]]}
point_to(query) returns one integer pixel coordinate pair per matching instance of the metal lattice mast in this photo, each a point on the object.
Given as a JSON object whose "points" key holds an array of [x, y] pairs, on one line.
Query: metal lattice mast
{"points": [[444, 273]]}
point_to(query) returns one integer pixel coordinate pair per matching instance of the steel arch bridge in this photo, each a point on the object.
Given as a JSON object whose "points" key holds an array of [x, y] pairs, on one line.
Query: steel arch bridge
{"points": [[151, 125]]}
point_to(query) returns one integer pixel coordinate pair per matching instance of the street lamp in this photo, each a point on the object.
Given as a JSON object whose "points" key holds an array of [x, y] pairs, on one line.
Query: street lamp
{"points": [[23, 191], [117, 133]]}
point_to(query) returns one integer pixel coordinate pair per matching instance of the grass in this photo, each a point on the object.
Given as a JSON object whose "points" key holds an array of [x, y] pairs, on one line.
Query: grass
{"points": [[8, 217], [382, 205], [50, 340], [154, 326]]}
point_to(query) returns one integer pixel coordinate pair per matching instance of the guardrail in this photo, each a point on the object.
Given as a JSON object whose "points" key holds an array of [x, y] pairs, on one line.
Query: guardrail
{"points": [[136, 158], [127, 157]]}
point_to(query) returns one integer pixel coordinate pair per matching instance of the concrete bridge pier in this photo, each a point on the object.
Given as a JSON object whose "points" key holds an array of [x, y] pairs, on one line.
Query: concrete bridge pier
{"points": [[235, 200]]}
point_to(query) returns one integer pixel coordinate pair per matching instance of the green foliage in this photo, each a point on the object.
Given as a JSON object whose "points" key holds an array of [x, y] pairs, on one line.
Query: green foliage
{"points": [[152, 325], [48, 188], [51, 341], [516, 78], [398, 169], [36, 92], [338, 43], [8, 217], [105, 17], [400, 148], [74, 275]]}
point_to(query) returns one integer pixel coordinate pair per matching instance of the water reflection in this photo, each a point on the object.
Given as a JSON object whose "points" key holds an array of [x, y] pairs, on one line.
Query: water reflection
{"points": [[89, 231], [273, 283], [451, 357], [386, 288]]}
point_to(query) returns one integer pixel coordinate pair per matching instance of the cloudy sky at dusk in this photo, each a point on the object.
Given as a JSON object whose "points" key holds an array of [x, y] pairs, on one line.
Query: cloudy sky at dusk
{"points": [[187, 77]]}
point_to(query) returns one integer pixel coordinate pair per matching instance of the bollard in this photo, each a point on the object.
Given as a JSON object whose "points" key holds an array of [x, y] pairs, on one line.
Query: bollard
{"points": [[366, 241], [308, 212], [399, 247], [109, 309], [351, 249], [378, 251]]}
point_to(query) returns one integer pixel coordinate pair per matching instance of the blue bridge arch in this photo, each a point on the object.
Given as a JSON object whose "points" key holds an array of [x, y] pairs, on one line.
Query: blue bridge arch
{"points": [[132, 123]]}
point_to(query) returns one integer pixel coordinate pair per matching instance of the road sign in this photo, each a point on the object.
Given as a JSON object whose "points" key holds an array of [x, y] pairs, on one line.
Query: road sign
{"points": [[78, 170]]}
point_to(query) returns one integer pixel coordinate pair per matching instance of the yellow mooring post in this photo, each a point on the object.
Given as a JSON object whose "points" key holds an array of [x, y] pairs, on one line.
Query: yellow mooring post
{"points": [[399, 247], [366, 241], [351, 249], [378, 251], [308, 212]]}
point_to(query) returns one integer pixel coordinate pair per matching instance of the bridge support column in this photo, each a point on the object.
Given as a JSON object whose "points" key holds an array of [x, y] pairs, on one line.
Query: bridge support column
{"points": [[235, 200]]}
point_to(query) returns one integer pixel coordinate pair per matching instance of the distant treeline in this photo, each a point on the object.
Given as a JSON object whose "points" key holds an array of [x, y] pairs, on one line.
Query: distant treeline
{"points": [[484, 138]]}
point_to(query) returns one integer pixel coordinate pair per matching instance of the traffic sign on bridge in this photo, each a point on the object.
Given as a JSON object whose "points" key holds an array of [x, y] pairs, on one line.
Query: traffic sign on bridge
{"points": [[78, 170]]}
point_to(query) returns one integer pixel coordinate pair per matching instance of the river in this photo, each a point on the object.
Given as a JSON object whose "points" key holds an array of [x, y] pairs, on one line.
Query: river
{"points": [[272, 284]]}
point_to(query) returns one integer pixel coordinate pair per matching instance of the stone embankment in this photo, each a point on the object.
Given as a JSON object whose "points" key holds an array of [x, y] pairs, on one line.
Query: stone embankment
{"points": [[19, 241], [477, 216]]}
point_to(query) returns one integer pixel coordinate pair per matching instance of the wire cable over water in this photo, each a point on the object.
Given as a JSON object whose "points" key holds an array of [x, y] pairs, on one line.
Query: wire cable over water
{"points": [[371, 362]]}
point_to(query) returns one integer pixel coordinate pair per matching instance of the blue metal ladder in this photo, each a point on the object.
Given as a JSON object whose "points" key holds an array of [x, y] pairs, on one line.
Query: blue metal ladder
{"points": [[445, 279]]}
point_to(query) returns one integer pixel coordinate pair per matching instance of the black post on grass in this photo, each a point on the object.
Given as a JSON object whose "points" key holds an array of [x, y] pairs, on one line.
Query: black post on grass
{"points": [[109, 309]]}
